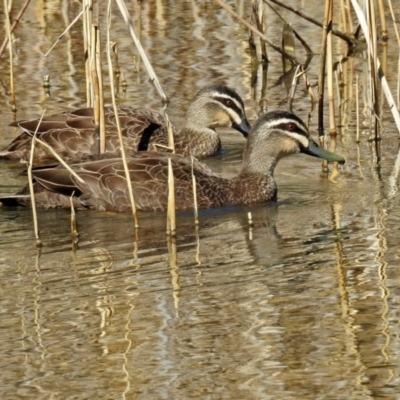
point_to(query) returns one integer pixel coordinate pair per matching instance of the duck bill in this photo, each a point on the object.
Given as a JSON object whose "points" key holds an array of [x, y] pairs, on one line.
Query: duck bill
{"points": [[244, 127], [315, 150]]}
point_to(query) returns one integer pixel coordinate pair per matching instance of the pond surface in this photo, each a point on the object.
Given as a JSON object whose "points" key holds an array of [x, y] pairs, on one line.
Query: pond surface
{"points": [[302, 305]]}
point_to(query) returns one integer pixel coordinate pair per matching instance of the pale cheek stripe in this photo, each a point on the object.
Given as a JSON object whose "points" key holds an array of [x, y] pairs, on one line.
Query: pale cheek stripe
{"points": [[234, 115], [300, 138]]}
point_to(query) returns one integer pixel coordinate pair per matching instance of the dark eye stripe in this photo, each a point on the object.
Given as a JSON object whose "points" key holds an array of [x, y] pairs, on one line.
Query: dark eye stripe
{"points": [[234, 106], [283, 126]]}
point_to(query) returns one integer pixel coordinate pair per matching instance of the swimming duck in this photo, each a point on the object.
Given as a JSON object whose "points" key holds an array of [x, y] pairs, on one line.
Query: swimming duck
{"points": [[73, 135], [275, 135]]}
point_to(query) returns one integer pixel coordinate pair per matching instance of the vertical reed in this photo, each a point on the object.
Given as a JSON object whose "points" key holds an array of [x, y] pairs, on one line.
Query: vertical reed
{"points": [[357, 112], [322, 66], [171, 218], [31, 189], [138, 30], [195, 207], [87, 7], [251, 224], [74, 225], [8, 28], [121, 140], [99, 85], [117, 70], [14, 25], [329, 64], [395, 22], [258, 20]]}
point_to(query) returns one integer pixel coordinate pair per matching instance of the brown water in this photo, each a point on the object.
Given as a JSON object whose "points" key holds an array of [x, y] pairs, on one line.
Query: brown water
{"points": [[305, 305]]}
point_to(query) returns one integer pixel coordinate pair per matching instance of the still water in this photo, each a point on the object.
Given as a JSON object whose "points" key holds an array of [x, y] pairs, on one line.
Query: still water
{"points": [[304, 304]]}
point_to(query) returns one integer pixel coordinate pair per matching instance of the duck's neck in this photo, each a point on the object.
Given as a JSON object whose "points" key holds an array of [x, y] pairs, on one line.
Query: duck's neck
{"points": [[198, 134], [256, 181]]}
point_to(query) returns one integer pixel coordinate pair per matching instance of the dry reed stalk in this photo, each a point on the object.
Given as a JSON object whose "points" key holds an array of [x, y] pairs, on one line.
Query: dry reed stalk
{"points": [[143, 55], [252, 44], [357, 112], [347, 38], [87, 8], [149, 68], [117, 70], [383, 21], [344, 15], [258, 12], [138, 30], [65, 31], [58, 158], [99, 99], [31, 189], [321, 74], [171, 143], [74, 225], [337, 76], [349, 17], [121, 140], [309, 90], [296, 34], [171, 217], [195, 207], [395, 22], [123, 83], [251, 224], [289, 45], [381, 75], [293, 87], [14, 25], [12, 88], [329, 67], [373, 69], [46, 84], [197, 256], [94, 77], [256, 31]]}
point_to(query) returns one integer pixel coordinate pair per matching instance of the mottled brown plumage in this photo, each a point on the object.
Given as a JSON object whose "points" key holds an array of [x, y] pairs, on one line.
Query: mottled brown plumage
{"points": [[275, 135], [73, 135]]}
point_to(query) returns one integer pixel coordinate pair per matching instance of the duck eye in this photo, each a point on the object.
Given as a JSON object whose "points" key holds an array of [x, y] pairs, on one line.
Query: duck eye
{"points": [[228, 103], [291, 127]]}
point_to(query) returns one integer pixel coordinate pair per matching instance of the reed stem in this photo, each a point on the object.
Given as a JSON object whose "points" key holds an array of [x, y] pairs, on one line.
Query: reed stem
{"points": [[87, 8], [12, 88], [195, 206], [65, 31], [31, 188], [257, 32], [171, 217], [14, 25], [114, 102], [74, 225]]}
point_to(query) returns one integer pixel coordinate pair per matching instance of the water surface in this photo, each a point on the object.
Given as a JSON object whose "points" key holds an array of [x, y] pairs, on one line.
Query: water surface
{"points": [[302, 305]]}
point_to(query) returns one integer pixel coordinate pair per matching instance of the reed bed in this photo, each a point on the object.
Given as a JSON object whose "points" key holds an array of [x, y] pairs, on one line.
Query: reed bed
{"points": [[334, 83]]}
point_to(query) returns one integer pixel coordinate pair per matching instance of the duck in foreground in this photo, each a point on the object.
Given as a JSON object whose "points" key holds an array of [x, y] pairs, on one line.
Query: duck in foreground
{"points": [[275, 135], [73, 135]]}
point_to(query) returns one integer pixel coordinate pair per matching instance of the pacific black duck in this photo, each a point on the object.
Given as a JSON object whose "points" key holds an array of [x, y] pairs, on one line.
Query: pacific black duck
{"points": [[275, 135], [73, 134]]}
